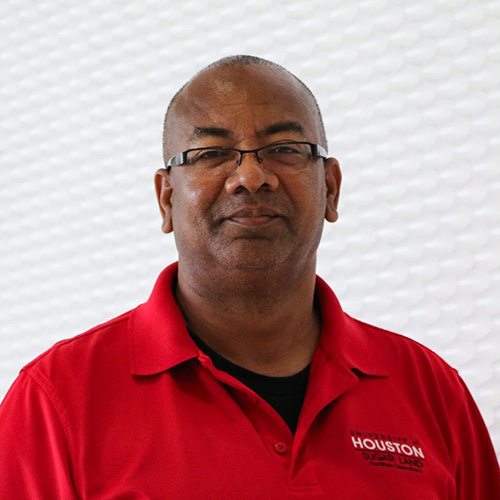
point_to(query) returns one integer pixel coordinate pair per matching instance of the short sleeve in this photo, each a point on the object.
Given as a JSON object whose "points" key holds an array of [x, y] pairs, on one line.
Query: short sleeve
{"points": [[478, 474], [34, 453]]}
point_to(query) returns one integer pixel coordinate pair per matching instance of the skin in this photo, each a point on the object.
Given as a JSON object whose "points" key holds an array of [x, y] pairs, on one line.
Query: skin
{"points": [[247, 243]]}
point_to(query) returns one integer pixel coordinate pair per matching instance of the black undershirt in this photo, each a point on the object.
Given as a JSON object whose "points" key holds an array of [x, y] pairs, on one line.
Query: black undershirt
{"points": [[284, 394]]}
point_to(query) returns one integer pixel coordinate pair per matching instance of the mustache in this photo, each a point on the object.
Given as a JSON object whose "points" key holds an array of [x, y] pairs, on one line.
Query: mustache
{"points": [[249, 204]]}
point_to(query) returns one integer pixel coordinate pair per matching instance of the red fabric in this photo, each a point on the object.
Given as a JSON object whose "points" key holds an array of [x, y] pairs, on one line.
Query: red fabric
{"points": [[133, 410]]}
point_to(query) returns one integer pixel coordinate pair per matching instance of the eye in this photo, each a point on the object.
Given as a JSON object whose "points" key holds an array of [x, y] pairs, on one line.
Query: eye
{"points": [[211, 153], [209, 157], [284, 149], [212, 158]]}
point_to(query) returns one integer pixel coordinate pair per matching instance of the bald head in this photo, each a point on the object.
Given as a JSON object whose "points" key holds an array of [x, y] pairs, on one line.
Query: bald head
{"points": [[232, 81]]}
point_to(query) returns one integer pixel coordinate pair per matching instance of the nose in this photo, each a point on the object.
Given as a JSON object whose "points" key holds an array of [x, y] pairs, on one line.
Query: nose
{"points": [[250, 175]]}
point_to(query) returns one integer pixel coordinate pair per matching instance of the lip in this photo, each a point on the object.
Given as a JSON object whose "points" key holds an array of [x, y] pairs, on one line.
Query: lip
{"points": [[253, 216]]}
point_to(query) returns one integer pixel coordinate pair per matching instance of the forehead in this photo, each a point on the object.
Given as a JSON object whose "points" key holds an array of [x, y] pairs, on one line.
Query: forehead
{"points": [[243, 100]]}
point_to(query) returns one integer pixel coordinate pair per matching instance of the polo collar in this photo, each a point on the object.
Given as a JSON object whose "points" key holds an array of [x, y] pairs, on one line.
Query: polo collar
{"points": [[353, 343], [159, 340], [158, 337]]}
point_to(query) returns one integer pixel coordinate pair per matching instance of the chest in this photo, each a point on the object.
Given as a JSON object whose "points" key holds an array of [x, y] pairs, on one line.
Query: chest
{"points": [[200, 438]]}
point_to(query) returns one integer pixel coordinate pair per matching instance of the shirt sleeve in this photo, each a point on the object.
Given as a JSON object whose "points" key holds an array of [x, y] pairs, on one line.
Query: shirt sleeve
{"points": [[478, 474], [34, 453]]}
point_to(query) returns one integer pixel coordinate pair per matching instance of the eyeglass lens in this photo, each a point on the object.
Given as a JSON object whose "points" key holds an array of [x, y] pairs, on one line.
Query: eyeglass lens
{"points": [[273, 158]]}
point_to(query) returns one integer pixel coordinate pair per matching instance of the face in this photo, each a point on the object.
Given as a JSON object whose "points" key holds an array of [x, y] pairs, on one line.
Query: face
{"points": [[252, 219]]}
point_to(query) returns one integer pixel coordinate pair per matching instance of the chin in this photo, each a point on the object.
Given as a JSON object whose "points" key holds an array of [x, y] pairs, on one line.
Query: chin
{"points": [[249, 262]]}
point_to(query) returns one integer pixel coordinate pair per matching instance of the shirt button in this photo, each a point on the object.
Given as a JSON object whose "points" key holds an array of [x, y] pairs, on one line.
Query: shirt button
{"points": [[280, 448]]}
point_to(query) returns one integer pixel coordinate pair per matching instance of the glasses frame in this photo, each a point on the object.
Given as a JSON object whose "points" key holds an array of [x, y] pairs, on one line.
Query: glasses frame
{"points": [[181, 158]]}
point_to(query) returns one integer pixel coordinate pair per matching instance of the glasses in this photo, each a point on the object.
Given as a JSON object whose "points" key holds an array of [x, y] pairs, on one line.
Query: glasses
{"points": [[275, 158]]}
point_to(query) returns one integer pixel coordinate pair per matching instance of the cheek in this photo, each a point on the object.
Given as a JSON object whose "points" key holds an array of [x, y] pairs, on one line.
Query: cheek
{"points": [[313, 195], [191, 201]]}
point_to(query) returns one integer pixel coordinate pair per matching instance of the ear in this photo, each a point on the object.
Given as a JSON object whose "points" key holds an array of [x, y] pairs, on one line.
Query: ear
{"points": [[163, 189], [333, 179]]}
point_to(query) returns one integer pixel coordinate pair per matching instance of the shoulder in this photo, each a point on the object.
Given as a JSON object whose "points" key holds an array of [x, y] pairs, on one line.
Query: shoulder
{"points": [[97, 348], [400, 351], [411, 365], [398, 346], [374, 349]]}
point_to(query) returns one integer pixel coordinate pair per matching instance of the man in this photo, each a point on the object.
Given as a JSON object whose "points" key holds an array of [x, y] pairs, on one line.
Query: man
{"points": [[241, 377]]}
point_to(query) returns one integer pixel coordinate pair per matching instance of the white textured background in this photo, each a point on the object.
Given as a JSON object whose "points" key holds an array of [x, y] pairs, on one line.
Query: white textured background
{"points": [[410, 96]]}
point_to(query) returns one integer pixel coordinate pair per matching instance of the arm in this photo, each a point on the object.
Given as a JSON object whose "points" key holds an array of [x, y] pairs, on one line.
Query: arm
{"points": [[34, 453], [478, 475]]}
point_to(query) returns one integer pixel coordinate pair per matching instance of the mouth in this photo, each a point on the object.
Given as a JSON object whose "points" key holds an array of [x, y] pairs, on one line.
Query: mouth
{"points": [[253, 217]]}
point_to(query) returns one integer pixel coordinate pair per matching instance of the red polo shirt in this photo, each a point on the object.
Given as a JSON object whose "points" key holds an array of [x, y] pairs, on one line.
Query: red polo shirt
{"points": [[133, 409]]}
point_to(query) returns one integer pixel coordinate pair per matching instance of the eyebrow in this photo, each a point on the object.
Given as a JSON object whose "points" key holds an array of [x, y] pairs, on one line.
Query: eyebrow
{"points": [[200, 132], [289, 126], [275, 128]]}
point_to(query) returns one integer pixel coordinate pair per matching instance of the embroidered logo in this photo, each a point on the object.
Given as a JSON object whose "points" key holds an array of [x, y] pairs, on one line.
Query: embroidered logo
{"points": [[387, 450]]}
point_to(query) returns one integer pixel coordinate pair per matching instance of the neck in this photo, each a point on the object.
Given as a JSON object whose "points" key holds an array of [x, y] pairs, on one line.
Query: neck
{"points": [[263, 321]]}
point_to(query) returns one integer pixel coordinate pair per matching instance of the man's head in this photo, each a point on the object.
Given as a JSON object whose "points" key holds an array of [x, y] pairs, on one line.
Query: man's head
{"points": [[253, 218], [231, 61]]}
